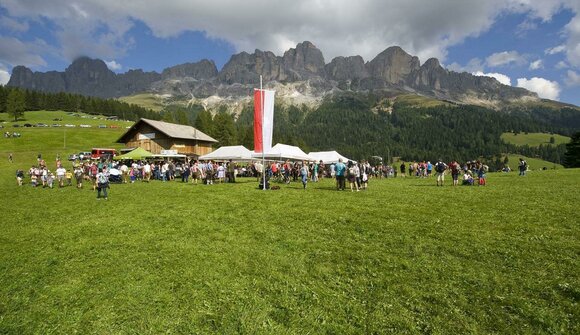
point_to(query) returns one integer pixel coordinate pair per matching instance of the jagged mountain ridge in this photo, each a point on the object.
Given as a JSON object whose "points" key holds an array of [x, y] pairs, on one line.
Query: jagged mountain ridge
{"points": [[301, 73]]}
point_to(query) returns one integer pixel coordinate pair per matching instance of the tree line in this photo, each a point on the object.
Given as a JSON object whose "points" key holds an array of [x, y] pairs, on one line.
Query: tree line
{"points": [[349, 123], [16, 101]]}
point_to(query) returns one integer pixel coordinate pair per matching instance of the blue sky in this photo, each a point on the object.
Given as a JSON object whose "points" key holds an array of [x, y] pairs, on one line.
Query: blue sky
{"points": [[526, 43]]}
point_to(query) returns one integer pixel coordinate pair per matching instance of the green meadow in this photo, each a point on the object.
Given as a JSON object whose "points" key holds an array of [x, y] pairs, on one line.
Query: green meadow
{"points": [[534, 139], [403, 256]]}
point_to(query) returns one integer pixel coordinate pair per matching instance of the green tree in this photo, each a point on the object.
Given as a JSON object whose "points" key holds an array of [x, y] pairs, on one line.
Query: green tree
{"points": [[16, 104], [204, 122], [572, 155], [225, 130]]}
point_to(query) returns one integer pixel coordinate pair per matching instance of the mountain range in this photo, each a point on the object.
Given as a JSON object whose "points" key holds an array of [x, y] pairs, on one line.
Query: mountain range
{"points": [[301, 74]]}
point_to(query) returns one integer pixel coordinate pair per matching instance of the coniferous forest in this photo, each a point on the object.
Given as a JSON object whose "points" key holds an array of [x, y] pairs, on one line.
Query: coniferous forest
{"points": [[355, 124]]}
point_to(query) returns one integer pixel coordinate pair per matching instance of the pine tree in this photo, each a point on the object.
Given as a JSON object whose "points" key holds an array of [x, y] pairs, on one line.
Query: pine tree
{"points": [[16, 104], [572, 155], [204, 122]]}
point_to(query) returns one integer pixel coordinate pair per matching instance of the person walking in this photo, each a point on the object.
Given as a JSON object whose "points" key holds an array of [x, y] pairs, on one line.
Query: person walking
{"points": [[304, 174]]}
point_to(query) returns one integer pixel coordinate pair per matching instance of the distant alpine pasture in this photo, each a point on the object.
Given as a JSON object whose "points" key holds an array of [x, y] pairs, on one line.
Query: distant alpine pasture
{"points": [[403, 256]]}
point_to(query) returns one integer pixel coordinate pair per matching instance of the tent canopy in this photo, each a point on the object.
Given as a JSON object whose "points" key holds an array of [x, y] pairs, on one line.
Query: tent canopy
{"points": [[327, 157], [283, 151], [234, 152], [138, 153]]}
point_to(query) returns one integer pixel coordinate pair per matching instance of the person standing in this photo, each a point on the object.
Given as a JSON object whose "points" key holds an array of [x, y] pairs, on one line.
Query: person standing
{"points": [[340, 170], [440, 168], [353, 173], [102, 184], [60, 175], [304, 174], [523, 167], [231, 172], [481, 170], [79, 175], [403, 167], [10, 158], [455, 169]]}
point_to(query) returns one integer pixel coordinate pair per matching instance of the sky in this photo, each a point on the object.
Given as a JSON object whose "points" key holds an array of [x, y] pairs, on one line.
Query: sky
{"points": [[533, 44]]}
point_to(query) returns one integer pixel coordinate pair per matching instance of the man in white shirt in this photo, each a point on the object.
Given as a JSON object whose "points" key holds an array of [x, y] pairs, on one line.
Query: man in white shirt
{"points": [[60, 173]]}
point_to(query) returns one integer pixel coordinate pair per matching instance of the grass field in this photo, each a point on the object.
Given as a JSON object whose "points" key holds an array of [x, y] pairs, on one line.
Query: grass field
{"points": [[402, 257], [533, 139]]}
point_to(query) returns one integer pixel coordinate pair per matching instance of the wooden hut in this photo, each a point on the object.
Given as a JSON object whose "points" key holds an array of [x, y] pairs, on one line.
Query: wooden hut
{"points": [[160, 137]]}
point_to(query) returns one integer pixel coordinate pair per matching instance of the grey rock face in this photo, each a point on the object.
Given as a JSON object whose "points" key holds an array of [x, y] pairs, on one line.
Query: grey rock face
{"points": [[203, 69], [346, 68], [304, 65], [393, 65]]}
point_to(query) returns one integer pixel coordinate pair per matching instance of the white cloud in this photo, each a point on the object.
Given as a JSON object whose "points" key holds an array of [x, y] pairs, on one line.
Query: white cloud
{"points": [[545, 88], [537, 64], [572, 78], [4, 75], [474, 65], [15, 52], [102, 28], [113, 65], [13, 25], [505, 58], [555, 50], [572, 30], [502, 78], [562, 65]]}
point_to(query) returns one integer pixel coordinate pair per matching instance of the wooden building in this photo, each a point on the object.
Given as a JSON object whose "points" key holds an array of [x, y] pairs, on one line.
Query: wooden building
{"points": [[155, 136]]}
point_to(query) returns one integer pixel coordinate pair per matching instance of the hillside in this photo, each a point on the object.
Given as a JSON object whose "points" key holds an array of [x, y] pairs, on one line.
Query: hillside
{"points": [[52, 141], [533, 163], [534, 139]]}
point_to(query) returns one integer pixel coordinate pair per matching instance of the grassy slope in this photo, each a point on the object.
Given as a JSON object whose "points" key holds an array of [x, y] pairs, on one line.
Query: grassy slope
{"points": [[403, 257], [419, 101], [533, 139], [534, 163], [52, 141], [145, 100]]}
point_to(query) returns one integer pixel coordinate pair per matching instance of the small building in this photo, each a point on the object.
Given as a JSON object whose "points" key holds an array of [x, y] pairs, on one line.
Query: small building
{"points": [[160, 137]]}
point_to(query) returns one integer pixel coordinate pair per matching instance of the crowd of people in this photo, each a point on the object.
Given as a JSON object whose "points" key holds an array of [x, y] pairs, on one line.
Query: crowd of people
{"points": [[467, 171], [99, 174]]}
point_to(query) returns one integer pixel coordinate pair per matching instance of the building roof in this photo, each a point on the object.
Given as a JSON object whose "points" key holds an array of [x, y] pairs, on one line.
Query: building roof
{"points": [[172, 130]]}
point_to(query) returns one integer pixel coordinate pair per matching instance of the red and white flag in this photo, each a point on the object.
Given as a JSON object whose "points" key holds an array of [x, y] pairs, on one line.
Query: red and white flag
{"points": [[263, 120]]}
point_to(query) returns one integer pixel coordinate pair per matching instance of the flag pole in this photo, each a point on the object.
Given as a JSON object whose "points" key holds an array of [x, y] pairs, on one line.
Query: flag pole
{"points": [[262, 111]]}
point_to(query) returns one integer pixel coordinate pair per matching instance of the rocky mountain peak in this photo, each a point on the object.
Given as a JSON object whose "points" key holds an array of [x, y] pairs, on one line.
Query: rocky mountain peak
{"points": [[300, 72], [305, 60], [393, 65], [204, 69]]}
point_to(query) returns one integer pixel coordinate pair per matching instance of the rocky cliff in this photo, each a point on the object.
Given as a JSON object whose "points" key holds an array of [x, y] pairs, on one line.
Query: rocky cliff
{"points": [[300, 73]]}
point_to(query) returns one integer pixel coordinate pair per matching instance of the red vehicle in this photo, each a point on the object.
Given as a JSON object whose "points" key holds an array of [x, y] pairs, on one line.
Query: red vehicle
{"points": [[98, 153]]}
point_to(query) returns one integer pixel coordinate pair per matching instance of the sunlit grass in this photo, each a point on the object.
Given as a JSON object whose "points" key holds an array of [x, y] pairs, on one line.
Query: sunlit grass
{"points": [[403, 256]]}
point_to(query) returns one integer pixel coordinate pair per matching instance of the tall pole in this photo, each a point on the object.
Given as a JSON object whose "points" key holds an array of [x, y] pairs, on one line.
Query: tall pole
{"points": [[263, 160]]}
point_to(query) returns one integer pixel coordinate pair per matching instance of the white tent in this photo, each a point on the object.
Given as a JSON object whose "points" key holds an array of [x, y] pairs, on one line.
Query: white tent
{"points": [[327, 157], [235, 153], [281, 152]]}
